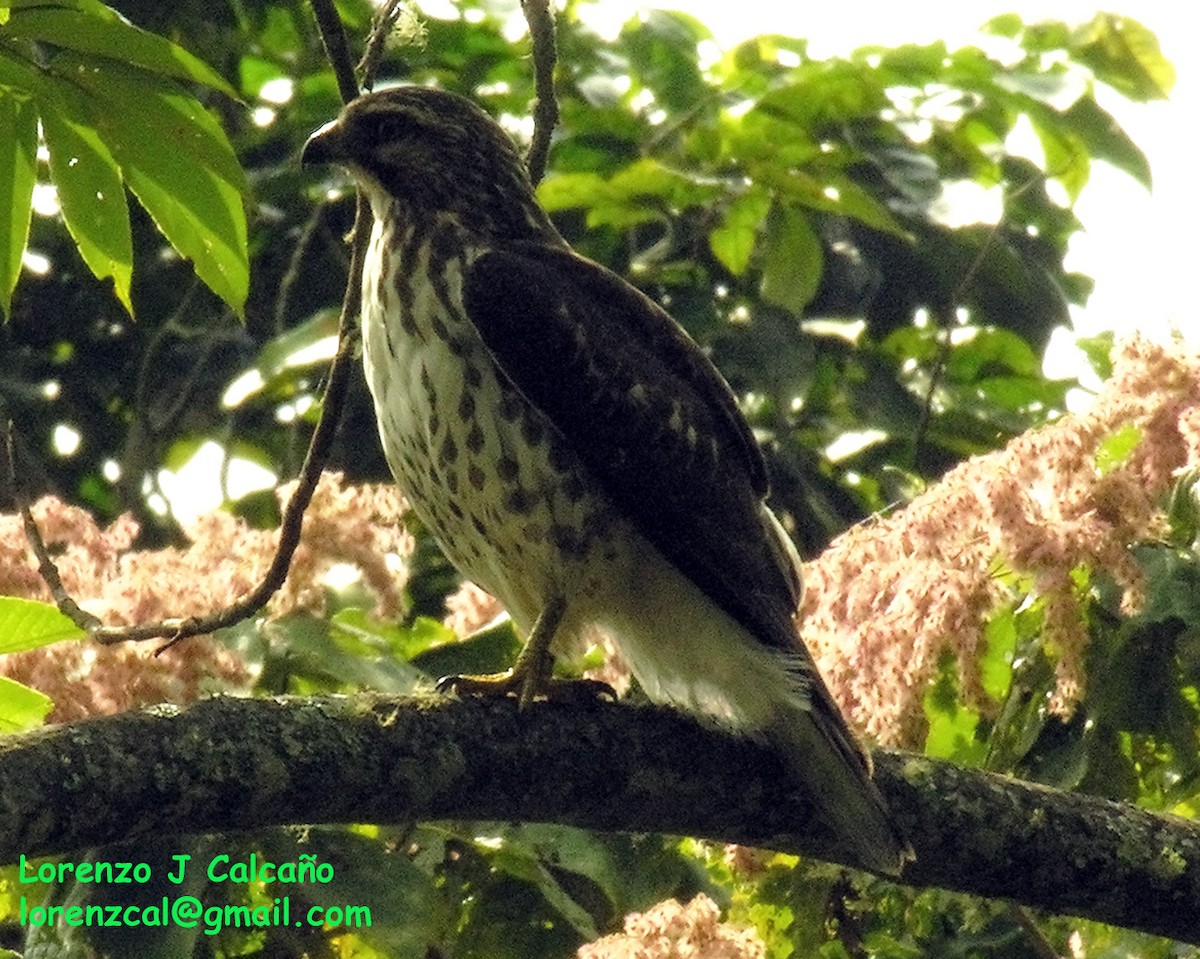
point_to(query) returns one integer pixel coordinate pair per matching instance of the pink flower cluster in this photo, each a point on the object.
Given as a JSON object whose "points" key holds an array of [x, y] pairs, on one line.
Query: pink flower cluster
{"points": [[671, 930], [890, 596], [225, 559]]}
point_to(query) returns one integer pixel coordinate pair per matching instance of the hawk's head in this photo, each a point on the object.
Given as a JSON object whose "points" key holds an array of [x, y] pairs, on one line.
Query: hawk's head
{"points": [[434, 152]]}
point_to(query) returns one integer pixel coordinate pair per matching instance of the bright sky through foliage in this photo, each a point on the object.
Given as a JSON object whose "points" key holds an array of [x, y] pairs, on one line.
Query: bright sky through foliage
{"points": [[1137, 245]]}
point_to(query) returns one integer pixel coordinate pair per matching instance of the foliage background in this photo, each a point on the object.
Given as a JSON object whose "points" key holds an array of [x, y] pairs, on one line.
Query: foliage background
{"points": [[785, 209]]}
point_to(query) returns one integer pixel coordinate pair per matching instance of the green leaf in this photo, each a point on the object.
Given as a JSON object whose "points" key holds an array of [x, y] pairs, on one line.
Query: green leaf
{"points": [[1044, 36], [792, 261], [372, 870], [733, 241], [627, 871], [29, 624], [662, 45], [403, 642], [848, 198], [990, 351], [747, 67], [761, 140], [1183, 509], [1173, 587], [93, 28], [567, 191], [21, 708], [284, 361], [193, 189], [1036, 85], [488, 651], [92, 198], [18, 169], [637, 193], [1067, 158], [256, 72], [1026, 396], [830, 92], [952, 725], [1125, 55], [649, 178], [523, 862], [337, 656], [1022, 717], [996, 666], [1116, 448], [1005, 25], [830, 192], [1098, 351], [1097, 129]]}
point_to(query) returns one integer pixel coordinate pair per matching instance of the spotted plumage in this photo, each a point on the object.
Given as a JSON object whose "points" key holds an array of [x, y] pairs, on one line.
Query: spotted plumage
{"points": [[574, 451]]}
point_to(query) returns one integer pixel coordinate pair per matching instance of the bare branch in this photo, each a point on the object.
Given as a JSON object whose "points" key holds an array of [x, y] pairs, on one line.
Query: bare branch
{"points": [[601, 766], [944, 319], [292, 275], [46, 565], [545, 108], [337, 50], [384, 20]]}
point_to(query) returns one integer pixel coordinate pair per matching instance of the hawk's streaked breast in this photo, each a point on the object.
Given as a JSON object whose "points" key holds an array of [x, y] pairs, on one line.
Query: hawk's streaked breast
{"points": [[487, 473]]}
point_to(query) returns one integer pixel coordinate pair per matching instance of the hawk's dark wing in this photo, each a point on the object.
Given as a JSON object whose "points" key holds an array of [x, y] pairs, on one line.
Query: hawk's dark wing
{"points": [[647, 413]]}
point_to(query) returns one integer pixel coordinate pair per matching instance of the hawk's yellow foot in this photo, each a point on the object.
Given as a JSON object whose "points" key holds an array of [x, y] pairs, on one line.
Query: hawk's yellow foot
{"points": [[530, 678]]}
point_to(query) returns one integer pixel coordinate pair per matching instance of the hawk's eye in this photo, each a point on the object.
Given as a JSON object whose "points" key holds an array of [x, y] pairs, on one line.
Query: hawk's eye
{"points": [[392, 127]]}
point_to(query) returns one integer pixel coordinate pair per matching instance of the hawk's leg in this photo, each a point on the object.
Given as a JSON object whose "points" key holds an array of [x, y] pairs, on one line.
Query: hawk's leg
{"points": [[530, 676]]}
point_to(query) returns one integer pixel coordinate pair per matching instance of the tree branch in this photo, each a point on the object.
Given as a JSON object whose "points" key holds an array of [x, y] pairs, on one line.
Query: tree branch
{"points": [[228, 764], [46, 566], [383, 22], [337, 48], [545, 109]]}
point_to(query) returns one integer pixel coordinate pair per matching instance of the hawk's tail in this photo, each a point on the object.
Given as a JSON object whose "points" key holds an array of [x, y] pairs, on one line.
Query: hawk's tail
{"points": [[684, 649], [809, 733], [821, 754]]}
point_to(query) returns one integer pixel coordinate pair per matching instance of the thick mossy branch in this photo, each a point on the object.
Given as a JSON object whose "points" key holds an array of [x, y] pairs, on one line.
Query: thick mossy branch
{"points": [[229, 764]]}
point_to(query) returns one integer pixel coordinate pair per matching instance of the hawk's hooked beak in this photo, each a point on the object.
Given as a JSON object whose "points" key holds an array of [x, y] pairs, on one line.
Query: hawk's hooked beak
{"points": [[327, 145]]}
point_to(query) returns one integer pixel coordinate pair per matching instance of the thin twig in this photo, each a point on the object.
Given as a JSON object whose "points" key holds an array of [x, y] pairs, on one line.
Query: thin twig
{"points": [[291, 275], [46, 567], [385, 20], [545, 108], [310, 473], [1034, 937], [314, 463], [945, 322], [338, 51]]}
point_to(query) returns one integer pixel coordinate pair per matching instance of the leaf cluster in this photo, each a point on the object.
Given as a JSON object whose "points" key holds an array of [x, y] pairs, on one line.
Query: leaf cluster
{"points": [[115, 112]]}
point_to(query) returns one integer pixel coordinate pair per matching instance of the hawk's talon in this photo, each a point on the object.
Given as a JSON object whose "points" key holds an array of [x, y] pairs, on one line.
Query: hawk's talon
{"points": [[518, 686], [529, 678]]}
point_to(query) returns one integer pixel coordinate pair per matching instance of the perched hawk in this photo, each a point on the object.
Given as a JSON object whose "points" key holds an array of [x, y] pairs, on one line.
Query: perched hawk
{"points": [[574, 452]]}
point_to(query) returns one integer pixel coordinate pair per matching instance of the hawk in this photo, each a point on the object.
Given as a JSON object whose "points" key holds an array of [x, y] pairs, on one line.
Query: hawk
{"points": [[574, 451]]}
